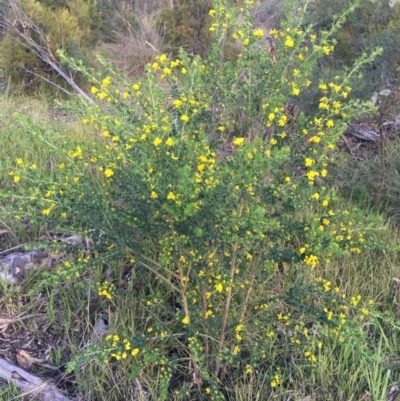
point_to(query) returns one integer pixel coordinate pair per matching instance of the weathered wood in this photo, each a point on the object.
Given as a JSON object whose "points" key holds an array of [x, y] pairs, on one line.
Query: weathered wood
{"points": [[29, 383], [360, 133], [14, 266]]}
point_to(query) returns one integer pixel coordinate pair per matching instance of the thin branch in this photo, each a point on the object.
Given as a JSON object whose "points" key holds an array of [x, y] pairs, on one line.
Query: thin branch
{"points": [[43, 52]]}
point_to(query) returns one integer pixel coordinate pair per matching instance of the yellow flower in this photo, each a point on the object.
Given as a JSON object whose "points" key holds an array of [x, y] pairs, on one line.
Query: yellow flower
{"points": [[259, 33], [330, 124], [309, 162], [171, 196], [185, 118], [106, 81], [185, 320], [157, 141], [289, 42], [177, 103], [238, 141], [315, 196], [46, 212], [108, 173], [219, 287], [169, 142], [16, 178], [211, 12], [167, 71], [153, 195], [94, 90], [135, 351]]}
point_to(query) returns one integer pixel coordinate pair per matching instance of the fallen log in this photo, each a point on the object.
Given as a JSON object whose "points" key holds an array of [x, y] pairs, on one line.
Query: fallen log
{"points": [[361, 133], [30, 384], [14, 266]]}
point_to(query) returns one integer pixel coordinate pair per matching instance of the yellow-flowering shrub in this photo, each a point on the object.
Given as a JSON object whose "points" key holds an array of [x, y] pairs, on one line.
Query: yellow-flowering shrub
{"points": [[233, 218]]}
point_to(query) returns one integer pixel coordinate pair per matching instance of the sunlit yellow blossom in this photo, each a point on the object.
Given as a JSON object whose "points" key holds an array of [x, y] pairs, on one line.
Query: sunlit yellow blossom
{"points": [[106, 81], [108, 173], [169, 142], [185, 320], [259, 33], [315, 196], [309, 162], [315, 139], [295, 89], [157, 141], [219, 287], [282, 121], [135, 351], [273, 32], [167, 71], [185, 118], [326, 49], [16, 178], [177, 103], [153, 195], [238, 141], [289, 42], [311, 260]]}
